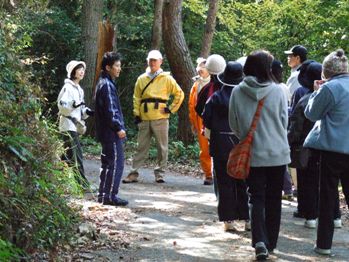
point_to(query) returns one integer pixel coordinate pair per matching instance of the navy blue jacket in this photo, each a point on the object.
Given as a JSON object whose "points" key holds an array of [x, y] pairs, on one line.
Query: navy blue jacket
{"points": [[297, 95], [109, 118], [215, 117]]}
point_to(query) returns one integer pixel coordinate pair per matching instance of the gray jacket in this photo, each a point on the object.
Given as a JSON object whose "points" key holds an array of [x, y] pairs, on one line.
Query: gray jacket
{"points": [[270, 146]]}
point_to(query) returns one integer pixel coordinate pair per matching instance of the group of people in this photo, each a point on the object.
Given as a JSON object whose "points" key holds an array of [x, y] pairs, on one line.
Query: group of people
{"points": [[307, 115]]}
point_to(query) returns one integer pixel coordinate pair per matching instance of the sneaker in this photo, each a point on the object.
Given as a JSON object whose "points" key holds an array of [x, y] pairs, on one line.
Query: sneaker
{"points": [[116, 201], [131, 178], [337, 223], [298, 214], [288, 197], [310, 223], [247, 225], [208, 181], [321, 251], [159, 178], [100, 199], [261, 251], [229, 226]]}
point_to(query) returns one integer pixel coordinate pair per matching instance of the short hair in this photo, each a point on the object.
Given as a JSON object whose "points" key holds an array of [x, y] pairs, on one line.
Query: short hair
{"points": [[109, 58], [73, 72], [258, 64]]}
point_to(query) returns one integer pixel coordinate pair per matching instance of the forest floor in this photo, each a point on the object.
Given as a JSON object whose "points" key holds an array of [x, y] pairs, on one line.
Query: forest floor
{"points": [[177, 221]]}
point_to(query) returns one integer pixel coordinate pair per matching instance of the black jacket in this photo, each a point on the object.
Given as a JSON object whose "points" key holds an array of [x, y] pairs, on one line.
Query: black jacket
{"points": [[299, 125], [108, 114], [215, 118]]}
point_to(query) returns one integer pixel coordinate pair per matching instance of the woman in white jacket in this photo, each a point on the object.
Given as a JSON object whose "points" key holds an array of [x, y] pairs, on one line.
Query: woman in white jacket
{"points": [[72, 113]]}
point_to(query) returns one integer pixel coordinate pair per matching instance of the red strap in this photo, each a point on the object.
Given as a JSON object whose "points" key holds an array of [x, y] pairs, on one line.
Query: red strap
{"points": [[256, 117]]}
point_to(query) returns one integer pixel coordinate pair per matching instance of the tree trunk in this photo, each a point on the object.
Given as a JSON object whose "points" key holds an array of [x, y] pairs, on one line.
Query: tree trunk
{"points": [[156, 34], [181, 65], [91, 15], [209, 28]]}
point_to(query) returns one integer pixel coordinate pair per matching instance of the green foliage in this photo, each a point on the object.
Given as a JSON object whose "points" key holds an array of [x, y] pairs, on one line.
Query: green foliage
{"points": [[8, 252], [33, 181]]}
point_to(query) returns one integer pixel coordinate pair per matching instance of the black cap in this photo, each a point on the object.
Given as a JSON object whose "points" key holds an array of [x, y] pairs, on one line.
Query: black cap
{"points": [[232, 74], [298, 50]]}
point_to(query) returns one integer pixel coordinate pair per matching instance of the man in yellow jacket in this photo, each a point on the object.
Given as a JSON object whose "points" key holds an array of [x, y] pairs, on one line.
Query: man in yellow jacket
{"points": [[151, 94], [196, 121]]}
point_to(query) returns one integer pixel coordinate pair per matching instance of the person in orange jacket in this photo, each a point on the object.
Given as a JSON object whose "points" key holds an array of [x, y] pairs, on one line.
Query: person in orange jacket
{"points": [[196, 121]]}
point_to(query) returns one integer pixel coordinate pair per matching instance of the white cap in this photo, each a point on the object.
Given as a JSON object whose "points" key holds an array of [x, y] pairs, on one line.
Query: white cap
{"points": [[72, 64], [154, 54], [215, 64], [242, 60], [200, 63]]}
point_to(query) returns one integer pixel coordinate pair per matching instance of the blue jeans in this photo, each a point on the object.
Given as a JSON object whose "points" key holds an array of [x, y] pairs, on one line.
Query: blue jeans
{"points": [[112, 159], [265, 190]]}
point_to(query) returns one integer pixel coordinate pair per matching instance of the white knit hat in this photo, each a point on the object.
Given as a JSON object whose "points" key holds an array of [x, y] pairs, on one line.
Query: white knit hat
{"points": [[72, 64], [215, 64], [154, 54], [334, 64]]}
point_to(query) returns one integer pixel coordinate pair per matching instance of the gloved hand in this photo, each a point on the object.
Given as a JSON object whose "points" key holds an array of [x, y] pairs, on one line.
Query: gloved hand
{"points": [[137, 120], [90, 112]]}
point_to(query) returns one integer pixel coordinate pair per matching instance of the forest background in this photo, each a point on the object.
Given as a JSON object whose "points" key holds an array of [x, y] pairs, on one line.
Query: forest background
{"points": [[37, 40]]}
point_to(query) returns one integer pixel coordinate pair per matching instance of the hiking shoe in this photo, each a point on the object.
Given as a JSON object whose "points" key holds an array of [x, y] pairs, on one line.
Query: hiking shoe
{"points": [[116, 201], [310, 223], [229, 226], [208, 181], [131, 178], [321, 251], [337, 223], [159, 178], [261, 251], [247, 225]]}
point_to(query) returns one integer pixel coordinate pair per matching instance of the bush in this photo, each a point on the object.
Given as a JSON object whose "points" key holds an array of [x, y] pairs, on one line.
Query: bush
{"points": [[34, 182]]}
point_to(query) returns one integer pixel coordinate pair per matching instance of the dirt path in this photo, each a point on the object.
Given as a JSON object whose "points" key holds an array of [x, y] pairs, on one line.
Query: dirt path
{"points": [[177, 221]]}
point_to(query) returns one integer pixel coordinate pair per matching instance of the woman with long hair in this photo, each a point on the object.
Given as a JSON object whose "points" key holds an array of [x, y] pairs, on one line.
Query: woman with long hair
{"points": [[270, 150]]}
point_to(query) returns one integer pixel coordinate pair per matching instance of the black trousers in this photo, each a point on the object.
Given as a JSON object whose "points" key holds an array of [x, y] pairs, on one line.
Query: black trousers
{"points": [[309, 188], [265, 190], [74, 157], [232, 194], [333, 167]]}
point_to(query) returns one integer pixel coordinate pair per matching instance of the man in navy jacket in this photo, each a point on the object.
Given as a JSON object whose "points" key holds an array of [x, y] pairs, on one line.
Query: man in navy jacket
{"points": [[110, 131]]}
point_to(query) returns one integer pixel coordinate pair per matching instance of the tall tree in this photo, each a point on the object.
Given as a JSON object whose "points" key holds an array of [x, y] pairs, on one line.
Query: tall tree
{"points": [[92, 11], [157, 22], [178, 55], [209, 28]]}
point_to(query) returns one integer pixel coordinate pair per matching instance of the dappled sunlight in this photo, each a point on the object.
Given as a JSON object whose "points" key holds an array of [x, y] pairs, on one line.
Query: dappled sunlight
{"points": [[157, 204]]}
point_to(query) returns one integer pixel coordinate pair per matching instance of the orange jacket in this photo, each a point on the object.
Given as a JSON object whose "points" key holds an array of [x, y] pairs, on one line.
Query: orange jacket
{"points": [[194, 118]]}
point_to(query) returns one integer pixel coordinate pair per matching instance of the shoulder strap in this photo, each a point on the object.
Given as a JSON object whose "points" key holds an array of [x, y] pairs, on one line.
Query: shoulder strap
{"points": [[148, 84], [256, 116]]}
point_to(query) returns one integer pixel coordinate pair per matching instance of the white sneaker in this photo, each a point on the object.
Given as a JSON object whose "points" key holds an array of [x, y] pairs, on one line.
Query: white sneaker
{"points": [[310, 223], [247, 225], [322, 251], [337, 223], [229, 226]]}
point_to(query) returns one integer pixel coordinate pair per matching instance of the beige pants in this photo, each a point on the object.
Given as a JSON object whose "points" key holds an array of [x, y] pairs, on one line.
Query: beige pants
{"points": [[293, 172], [146, 130]]}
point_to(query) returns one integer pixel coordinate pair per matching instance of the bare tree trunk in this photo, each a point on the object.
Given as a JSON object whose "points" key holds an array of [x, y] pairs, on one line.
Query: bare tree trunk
{"points": [[209, 28], [156, 34], [92, 14], [181, 65]]}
